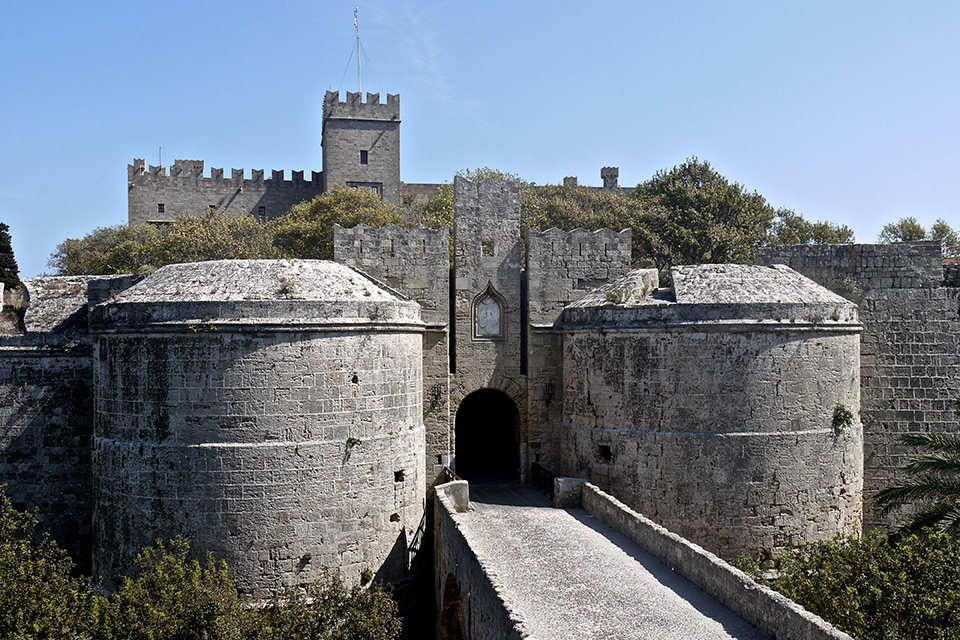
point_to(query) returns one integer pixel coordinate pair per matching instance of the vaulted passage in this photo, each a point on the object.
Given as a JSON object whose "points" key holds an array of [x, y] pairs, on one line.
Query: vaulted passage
{"points": [[451, 612], [487, 446]]}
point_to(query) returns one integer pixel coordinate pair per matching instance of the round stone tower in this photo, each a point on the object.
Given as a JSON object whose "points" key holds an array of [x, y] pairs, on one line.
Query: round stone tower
{"points": [[269, 411], [725, 407]]}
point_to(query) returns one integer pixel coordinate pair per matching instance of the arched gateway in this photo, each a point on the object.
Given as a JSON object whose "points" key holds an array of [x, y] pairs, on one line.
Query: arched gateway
{"points": [[487, 441]]}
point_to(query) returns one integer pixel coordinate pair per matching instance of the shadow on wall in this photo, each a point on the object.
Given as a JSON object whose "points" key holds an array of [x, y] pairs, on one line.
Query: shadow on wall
{"points": [[451, 613]]}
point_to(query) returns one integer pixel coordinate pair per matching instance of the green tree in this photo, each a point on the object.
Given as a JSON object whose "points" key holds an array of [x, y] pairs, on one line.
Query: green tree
{"points": [[216, 236], [789, 227], [876, 587], [948, 237], [38, 597], [108, 250], [9, 273], [903, 230], [909, 230], [933, 481], [306, 231], [175, 598], [692, 215]]}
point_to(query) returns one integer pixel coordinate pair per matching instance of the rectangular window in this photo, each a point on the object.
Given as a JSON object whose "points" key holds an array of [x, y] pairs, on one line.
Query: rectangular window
{"points": [[159, 207], [486, 248], [262, 210], [363, 157]]}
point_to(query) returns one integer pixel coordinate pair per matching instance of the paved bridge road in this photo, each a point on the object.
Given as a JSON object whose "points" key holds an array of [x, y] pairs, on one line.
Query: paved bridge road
{"points": [[569, 576]]}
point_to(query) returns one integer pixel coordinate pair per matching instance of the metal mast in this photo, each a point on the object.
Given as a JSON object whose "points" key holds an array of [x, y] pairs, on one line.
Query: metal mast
{"points": [[356, 25]]}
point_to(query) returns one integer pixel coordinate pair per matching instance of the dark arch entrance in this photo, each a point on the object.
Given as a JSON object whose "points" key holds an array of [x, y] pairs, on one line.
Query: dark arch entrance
{"points": [[487, 443], [451, 612]]}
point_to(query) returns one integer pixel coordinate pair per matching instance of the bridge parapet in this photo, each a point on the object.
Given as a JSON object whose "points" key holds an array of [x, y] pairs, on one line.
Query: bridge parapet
{"points": [[483, 614], [771, 612]]}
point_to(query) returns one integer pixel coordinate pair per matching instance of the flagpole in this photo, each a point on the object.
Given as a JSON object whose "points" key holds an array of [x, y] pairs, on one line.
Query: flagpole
{"points": [[356, 25]]}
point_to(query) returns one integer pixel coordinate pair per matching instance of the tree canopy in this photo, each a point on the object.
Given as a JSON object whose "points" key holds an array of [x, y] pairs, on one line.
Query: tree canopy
{"points": [[789, 227], [685, 215], [909, 230], [172, 596], [877, 587], [692, 215], [932, 484], [306, 231]]}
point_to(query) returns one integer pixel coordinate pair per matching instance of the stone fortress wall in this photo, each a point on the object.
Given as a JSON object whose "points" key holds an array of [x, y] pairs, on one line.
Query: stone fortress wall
{"points": [[154, 195], [361, 149], [910, 348], [709, 403]]}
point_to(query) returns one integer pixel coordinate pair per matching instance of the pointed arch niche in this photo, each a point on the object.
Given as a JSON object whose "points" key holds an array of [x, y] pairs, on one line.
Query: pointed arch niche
{"points": [[488, 320]]}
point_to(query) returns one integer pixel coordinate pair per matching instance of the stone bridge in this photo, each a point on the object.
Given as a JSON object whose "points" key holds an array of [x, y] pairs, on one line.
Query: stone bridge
{"points": [[510, 565]]}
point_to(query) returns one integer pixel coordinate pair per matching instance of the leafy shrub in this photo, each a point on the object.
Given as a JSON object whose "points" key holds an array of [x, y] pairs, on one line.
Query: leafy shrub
{"points": [[330, 611], [173, 597], [878, 587], [306, 231], [38, 597]]}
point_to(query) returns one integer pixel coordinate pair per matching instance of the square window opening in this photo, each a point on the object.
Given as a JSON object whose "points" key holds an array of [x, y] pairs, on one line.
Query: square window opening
{"points": [[604, 453]]}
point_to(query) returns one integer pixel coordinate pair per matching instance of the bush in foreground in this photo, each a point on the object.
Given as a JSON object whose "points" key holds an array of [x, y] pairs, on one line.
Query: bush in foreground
{"points": [[173, 597], [879, 587]]}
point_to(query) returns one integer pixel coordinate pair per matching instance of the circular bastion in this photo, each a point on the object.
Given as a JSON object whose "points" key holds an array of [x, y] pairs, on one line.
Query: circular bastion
{"points": [[725, 407], [269, 411]]}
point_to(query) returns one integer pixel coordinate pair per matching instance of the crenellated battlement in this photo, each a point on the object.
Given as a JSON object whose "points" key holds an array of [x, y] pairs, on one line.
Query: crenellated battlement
{"points": [[355, 108], [562, 266], [413, 260], [418, 243], [138, 172], [156, 194]]}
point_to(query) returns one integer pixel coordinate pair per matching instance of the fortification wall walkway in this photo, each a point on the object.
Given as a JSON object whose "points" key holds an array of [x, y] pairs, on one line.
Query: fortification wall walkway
{"points": [[563, 574]]}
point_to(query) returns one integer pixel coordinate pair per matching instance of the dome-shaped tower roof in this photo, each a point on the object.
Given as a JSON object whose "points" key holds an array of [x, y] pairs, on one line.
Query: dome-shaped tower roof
{"points": [[273, 292]]}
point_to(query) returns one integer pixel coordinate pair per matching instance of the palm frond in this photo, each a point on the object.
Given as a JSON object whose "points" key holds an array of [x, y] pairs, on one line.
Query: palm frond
{"points": [[948, 462], [928, 487], [946, 442]]}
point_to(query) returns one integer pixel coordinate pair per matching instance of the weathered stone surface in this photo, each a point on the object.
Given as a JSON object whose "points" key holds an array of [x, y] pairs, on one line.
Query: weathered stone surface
{"points": [[292, 446], [715, 418], [910, 350]]}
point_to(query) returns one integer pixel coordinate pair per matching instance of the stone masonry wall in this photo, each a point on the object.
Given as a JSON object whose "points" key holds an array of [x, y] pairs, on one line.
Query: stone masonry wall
{"points": [[910, 368], [354, 126], [185, 190], [414, 261], [260, 449], [561, 266], [723, 436], [469, 600], [487, 255], [46, 410]]}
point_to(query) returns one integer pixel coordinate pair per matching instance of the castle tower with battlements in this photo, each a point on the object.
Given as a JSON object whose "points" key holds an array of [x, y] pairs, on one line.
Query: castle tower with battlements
{"points": [[361, 143]]}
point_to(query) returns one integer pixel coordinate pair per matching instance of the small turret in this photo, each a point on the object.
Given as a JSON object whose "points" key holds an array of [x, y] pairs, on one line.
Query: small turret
{"points": [[610, 177]]}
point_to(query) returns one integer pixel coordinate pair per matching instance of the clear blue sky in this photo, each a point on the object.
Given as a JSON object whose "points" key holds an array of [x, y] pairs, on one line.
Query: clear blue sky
{"points": [[845, 111]]}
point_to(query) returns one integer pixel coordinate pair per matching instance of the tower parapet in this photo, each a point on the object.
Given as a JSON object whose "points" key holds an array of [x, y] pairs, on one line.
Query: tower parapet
{"points": [[361, 143], [355, 108], [563, 266], [610, 177]]}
